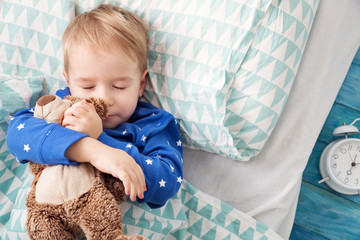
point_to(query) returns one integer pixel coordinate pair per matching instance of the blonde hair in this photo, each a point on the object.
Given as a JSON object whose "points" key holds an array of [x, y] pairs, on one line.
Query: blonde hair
{"points": [[105, 27]]}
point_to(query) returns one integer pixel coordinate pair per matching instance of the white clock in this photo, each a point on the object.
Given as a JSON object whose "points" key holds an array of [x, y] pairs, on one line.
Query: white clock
{"points": [[340, 162]]}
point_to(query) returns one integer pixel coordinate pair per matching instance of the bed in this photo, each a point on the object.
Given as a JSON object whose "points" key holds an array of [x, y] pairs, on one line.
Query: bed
{"points": [[249, 82]]}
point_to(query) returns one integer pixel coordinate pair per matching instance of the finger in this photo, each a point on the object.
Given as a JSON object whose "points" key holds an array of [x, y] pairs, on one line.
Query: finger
{"points": [[140, 194], [141, 186], [124, 177], [137, 185], [71, 127], [142, 180], [77, 111], [132, 185], [138, 181], [133, 194], [80, 109], [87, 106], [70, 120]]}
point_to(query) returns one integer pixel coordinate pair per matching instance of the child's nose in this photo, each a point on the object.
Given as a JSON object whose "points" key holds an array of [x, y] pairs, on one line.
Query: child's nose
{"points": [[107, 97]]}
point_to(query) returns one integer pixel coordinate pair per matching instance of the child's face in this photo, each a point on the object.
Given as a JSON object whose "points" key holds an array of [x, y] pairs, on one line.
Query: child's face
{"points": [[110, 75]]}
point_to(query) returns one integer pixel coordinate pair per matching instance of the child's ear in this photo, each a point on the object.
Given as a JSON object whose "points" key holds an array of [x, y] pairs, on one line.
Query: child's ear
{"points": [[66, 77], [143, 82]]}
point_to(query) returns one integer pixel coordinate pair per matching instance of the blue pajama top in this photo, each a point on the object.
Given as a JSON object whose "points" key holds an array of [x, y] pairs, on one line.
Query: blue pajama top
{"points": [[151, 137]]}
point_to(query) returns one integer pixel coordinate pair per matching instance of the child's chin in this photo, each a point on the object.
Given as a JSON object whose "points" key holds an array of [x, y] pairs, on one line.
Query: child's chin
{"points": [[111, 123]]}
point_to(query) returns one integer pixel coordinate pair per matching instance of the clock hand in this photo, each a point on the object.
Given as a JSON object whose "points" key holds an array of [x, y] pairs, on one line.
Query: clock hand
{"points": [[350, 156], [349, 172]]}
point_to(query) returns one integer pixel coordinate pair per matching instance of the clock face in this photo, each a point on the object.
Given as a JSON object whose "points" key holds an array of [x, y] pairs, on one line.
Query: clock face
{"points": [[345, 163]]}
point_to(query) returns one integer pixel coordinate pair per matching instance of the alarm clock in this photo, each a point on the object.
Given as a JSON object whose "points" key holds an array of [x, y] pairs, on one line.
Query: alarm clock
{"points": [[340, 162]]}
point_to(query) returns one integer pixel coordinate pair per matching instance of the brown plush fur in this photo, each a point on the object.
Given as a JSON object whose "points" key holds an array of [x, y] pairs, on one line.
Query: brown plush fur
{"points": [[95, 213]]}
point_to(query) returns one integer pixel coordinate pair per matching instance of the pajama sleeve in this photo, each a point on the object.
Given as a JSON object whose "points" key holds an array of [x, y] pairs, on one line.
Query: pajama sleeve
{"points": [[35, 140], [158, 151]]}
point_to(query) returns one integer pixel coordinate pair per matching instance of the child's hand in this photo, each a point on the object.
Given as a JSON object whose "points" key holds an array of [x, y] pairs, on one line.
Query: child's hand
{"points": [[83, 118], [122, 166], [112, 161]]}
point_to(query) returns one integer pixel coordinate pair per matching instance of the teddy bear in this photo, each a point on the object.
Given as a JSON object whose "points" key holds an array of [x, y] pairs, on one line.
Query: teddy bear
{"points": [[69, 202]]}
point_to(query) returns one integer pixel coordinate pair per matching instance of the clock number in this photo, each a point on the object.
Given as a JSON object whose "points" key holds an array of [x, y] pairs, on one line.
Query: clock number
{"points": [[350, 147], [336, 156], [346, 180], [357, 181], [342, 150], [358, 149], [334, 165]]}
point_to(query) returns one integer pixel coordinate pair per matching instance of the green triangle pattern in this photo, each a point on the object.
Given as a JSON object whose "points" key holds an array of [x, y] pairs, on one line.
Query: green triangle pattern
{"points": [[202, 216], [197, 56], [30, 39], [213, 220], [15, 178], [267, 74]]}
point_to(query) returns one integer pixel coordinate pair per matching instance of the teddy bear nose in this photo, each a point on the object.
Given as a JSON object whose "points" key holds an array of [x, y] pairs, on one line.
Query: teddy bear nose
{"points": [[45, 100]]}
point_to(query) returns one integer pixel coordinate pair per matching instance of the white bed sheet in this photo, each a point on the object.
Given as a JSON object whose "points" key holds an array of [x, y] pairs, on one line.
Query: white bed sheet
{"points": [[267, 187]]}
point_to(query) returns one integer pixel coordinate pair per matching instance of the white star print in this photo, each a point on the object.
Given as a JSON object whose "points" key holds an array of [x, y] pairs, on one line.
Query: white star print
{"points": [[128, 145], [178, 143], [26, 148], [143, 138], [32, 110], [162, 183], [21, 126], [149, 162], [124, 132], [179, 179], [172, 168], [158, 156]]}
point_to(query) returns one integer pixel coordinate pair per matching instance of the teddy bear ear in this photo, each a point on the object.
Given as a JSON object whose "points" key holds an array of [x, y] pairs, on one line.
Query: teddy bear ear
{"points": [[101, 107], [42, 101], [50, 108]]}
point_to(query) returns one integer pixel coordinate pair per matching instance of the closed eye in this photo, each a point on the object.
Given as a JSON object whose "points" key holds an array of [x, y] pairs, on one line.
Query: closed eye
{"points": [[91, 87], [120, 88]]}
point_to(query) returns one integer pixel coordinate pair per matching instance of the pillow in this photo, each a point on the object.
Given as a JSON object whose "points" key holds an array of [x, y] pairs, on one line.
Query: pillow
{"points": [[30, 39], [15, 94], [224, 69]]}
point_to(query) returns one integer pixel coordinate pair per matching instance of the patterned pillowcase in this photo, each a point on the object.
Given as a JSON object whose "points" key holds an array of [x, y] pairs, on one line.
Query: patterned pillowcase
{"points": [[15, 94], [223, 70]]}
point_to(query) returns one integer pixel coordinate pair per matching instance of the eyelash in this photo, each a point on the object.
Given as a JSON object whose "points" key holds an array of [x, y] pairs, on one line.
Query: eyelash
{"points": [[120, 88], [88, 88]]}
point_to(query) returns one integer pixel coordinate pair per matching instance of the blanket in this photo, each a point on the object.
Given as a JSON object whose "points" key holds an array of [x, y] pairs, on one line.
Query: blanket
{"points": [[190, 214]]}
